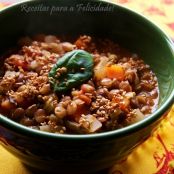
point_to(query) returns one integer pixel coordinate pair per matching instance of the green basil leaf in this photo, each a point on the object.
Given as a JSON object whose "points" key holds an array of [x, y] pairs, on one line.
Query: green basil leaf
{"points": [[79, 64]]}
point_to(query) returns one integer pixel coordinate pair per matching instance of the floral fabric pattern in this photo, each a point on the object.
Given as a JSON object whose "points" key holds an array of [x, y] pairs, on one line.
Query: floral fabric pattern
{"points": [[155, 155]]}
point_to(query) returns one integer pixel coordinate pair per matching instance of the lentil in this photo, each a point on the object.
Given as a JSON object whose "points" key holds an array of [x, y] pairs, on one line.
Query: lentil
{"points": [[121, 91]]}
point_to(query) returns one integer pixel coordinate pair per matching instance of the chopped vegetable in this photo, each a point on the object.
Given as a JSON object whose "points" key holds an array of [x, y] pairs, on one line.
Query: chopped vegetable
{"points": [[45, 128], [115, 71], [100, 68], [81, 109], [73, 126], [56, 86], [90, 123], [78, 65], [87, 88], [85, 98], [136, 116]]}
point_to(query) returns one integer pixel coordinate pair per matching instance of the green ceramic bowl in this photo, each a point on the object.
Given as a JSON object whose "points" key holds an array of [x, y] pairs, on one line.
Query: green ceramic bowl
{"points": [[85, 153]]}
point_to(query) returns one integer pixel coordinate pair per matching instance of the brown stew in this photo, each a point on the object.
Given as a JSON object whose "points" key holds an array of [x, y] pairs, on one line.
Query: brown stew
{"points": [[84, 86]]}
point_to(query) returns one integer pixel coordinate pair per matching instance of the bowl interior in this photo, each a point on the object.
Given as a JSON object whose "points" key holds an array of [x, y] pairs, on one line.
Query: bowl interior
{"points": [[132, 31]]}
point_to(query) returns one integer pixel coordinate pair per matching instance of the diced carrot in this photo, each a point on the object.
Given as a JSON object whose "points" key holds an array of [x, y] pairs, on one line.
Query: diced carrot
{"points": [[115, 71], [122, 103], [85, 98]]}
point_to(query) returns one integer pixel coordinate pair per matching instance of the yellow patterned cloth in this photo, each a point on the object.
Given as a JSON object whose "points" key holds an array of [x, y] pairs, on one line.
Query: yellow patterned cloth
{"points": [[156, 154]]}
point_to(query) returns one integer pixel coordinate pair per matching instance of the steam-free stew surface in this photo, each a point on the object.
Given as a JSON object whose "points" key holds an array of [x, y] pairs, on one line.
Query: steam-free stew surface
{"points": [[84, 86]]}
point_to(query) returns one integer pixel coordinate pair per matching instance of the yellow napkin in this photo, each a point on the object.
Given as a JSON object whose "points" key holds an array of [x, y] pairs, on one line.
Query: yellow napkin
{"points": [[155, 155], [9, 164]]}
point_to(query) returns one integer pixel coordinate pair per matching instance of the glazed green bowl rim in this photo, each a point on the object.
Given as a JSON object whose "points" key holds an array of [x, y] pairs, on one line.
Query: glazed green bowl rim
{"points": [[18, 128]]}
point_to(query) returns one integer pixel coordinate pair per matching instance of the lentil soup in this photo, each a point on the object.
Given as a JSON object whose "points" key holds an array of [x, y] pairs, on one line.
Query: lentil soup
{"points": [[84, 86]]}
